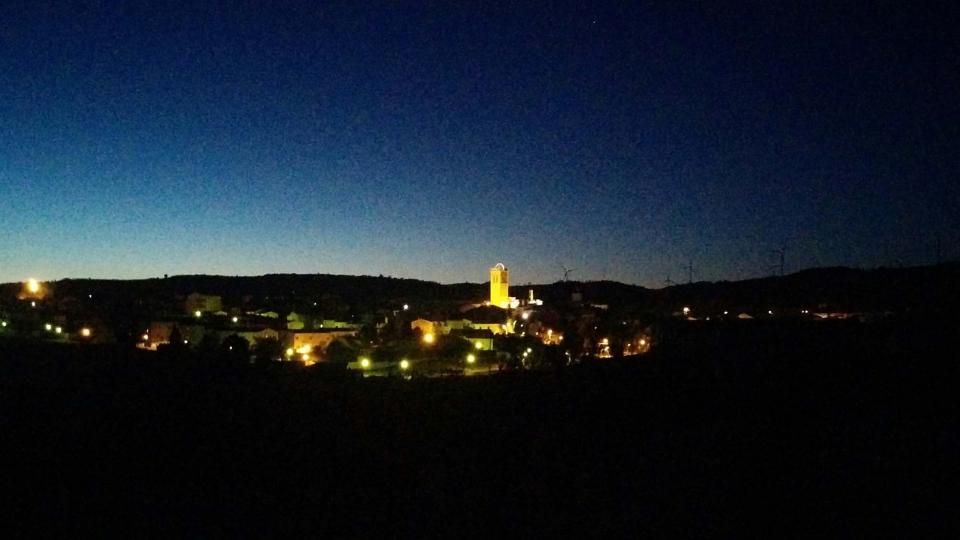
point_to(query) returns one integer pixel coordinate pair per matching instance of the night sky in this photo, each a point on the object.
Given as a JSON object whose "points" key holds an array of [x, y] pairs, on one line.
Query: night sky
{"points": [[142, 139]]}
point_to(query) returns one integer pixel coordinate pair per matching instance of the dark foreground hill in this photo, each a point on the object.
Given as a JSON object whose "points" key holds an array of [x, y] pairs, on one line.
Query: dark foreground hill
{"points": [[804, 431]]}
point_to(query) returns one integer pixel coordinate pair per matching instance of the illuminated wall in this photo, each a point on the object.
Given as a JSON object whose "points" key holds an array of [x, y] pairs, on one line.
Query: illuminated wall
{"points": [[499, 286], [313, 342]]}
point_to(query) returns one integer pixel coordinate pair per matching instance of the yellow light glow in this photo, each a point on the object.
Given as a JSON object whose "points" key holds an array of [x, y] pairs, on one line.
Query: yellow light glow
{"points": [[525, 315], [3, 324], [406, 307], [85, 332], [305, 349], [58, 330], [146, 337], [686, 310], [290, 351], [197, 314], [33, 286], [305, 357], [429, 338], [48, 327], [643, 342], [235, 320], [549, 332], [364, 363], [404, 364], [471, 358], [605, 341], [478, 345]]}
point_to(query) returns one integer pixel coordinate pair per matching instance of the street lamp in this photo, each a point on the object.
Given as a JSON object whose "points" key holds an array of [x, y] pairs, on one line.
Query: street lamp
{"points": [[471, 358]]}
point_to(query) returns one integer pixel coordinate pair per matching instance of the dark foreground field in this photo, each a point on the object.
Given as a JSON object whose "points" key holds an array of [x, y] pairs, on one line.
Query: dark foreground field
{"points": [[801, 434]]}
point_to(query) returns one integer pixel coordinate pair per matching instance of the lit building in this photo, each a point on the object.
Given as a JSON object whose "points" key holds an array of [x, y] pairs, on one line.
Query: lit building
{"points": [[204, 303], [313, 342], [500, 286], [439, 328]]}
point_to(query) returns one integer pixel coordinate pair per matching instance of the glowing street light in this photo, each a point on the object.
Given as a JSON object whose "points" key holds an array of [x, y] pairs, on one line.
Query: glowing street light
{"points": [[289, 352], [404, 364], [3, 324], [406, 307], [198, 314], [429, 338], [235, 320], [365, 363], [48, 327], [643, 342], [33, 286], [686, 311], [471, 358], [146, 337], [477, 345], [305, 357], [85, 332], [58, 330]]}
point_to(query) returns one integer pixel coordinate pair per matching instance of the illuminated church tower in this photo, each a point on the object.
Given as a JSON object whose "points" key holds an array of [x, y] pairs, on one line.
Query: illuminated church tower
{"points": [[499, 286]]}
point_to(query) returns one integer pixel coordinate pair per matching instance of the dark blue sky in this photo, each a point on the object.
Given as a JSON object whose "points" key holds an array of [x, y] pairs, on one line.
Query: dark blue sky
{"points": [[138, 139]]}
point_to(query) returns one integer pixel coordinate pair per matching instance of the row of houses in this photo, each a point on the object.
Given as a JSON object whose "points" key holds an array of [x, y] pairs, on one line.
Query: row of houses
{"points": [[312, 343]]}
